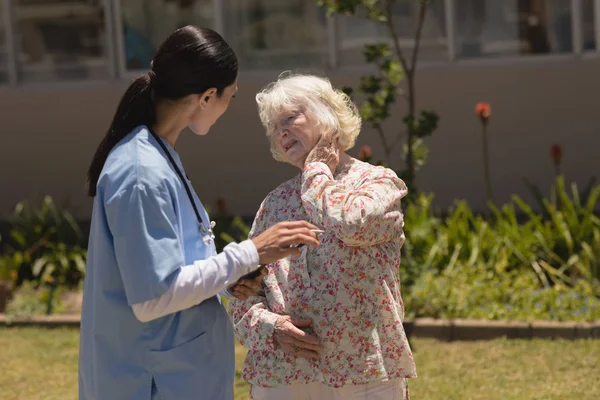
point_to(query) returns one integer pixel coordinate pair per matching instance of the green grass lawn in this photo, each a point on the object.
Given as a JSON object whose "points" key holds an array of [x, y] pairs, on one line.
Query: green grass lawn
{"points": [[38, 364]]}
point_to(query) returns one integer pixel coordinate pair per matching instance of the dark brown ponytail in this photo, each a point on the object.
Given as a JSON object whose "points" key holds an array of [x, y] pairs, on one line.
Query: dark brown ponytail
{"points": [[190, 61], [136, 108]]}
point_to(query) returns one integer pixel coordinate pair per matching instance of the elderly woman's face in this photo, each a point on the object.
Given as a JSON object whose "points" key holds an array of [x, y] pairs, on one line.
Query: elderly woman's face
{"points": [[295, 136]]}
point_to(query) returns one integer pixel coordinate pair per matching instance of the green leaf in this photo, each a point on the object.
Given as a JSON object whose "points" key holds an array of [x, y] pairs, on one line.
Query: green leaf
{"points": [[537, 194], [554, 272], [559, 222], [19, 208], [38, 266], [227, 237], [426, 124], [374, 53], [393, 72], [19, 238], [49, 270], [63, 261], [588, 188], [79, 262], [540, 273], [592, 199]]}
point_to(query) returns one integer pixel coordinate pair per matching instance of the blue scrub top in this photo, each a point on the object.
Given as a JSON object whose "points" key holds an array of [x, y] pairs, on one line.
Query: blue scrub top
{"points": [[143, 230]]}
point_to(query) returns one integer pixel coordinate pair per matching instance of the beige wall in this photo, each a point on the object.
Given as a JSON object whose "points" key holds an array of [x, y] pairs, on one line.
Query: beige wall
{"points": [[49, 135]]}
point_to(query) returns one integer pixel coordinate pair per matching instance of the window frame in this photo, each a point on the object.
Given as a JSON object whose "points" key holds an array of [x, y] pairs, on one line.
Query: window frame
{"points": [[9, 36], [121, 67], [330, 56], [13, 62], [508, 61], [117, 71]]}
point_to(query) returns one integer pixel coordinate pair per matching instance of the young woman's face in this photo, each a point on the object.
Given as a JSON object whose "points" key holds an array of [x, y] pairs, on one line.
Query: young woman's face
{"points": [[210, 108], [294, 136]]}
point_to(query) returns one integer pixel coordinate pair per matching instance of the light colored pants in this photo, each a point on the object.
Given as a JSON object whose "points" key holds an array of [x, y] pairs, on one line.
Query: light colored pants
{"points": [[396, 389]]}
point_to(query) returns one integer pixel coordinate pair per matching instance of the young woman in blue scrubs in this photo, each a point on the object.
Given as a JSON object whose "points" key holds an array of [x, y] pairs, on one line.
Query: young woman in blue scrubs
{"points": [[152, 324]]}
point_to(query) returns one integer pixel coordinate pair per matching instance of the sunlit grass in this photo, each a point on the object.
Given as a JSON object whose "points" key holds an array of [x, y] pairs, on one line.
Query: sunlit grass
{"points": [[41, 364]]}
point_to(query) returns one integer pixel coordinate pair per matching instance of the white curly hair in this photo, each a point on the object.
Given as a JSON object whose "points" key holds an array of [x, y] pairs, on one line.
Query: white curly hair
{"points": [[328, 107]]}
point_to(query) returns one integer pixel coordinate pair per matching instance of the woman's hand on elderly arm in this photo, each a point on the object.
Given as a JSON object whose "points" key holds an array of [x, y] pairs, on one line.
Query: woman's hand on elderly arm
{"points": [[274, 243], [248, 287], [289, 337]]}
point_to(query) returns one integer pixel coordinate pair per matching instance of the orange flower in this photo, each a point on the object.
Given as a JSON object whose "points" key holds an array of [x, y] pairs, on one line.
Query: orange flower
{"points": [[483, 110], [221, 206], [556, 154], [364, 154]]}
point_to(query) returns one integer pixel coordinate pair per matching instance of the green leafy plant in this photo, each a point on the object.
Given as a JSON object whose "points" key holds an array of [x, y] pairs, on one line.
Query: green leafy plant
{"points": [[502, 266], [421, 249], [227, 228], [477, 292], [583, 196], [31, 300], [569, 238], [9, 266], [44, 248], [380, 90], [237, 232]]}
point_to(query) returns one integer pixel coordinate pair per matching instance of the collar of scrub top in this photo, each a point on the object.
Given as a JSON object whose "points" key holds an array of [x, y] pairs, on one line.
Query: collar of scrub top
{"points": [[207, 233]]}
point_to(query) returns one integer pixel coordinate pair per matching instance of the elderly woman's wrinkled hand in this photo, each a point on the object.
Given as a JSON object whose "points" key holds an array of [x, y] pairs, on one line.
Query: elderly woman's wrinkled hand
{"points": [[290, 338], [326, 151], [248, 287]]}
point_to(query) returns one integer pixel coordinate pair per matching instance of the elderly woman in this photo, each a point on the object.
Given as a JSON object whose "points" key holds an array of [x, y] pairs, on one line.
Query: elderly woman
{"points": [[329, 325]]}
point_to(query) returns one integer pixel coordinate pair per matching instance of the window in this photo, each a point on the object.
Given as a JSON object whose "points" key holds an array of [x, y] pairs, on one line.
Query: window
{"points": [[356, 31], [590, 13], [60, 39], [276, 34], [145, 24], [54, 40], [3, 47], [491, 28]]}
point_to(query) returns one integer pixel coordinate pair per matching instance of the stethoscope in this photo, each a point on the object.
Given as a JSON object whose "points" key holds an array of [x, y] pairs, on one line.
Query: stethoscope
{"points": [[206, 232]]}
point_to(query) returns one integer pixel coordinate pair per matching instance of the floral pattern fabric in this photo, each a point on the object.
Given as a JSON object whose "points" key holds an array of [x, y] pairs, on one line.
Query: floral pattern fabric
{"points": [[348, 286]]}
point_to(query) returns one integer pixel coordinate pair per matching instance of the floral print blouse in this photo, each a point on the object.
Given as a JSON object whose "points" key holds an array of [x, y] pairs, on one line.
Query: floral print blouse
{"points": [[348, 286]]}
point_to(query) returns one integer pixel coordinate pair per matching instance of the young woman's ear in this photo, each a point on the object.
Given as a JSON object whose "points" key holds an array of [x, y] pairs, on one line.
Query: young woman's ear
{"points": [[206, 96]]}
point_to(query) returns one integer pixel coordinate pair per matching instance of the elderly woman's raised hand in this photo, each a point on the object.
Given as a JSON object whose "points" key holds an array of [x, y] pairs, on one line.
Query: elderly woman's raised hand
{"points": [[290, 338], [326, 151]]}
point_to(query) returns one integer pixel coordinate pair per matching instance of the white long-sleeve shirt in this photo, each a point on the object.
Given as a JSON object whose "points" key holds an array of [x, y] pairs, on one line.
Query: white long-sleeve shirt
{"points": [[201, 280]]}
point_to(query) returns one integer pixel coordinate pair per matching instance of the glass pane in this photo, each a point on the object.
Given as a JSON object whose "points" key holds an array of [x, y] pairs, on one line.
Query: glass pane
{"points": [[3, 48], [61, 39], [276, 34], [356, 31], [588, 25], [147, 23], [492, 28]]}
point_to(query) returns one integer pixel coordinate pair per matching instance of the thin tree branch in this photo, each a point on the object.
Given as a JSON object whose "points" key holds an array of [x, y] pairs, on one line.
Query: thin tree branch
{"points": [[386, 148], [421, 21], [392, 30], [396, 141]]}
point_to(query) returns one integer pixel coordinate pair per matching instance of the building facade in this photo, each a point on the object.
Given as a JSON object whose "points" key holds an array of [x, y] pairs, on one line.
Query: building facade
{"points": [[65, 63]]}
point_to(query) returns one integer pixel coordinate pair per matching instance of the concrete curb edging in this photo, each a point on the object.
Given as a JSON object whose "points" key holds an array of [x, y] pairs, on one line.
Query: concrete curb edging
{"points": [[446, 330], [467, 329], [42, 321]]}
